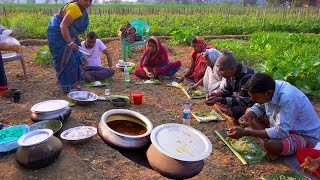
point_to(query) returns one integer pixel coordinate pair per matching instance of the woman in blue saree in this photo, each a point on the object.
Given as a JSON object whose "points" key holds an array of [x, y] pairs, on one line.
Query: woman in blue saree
{"points": [[63, 30]]}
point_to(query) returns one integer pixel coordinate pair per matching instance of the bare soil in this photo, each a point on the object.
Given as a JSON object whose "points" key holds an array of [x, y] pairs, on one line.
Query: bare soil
{"points": [[95, 159]]}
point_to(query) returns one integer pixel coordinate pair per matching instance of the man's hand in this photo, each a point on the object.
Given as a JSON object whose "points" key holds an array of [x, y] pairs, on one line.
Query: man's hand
{"points": [[216, 94], [236, 132], [244, 121], [212, 100]]}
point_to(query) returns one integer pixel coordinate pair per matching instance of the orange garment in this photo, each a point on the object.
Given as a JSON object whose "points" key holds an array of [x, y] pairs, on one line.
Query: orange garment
{"points": [[198, 59]]}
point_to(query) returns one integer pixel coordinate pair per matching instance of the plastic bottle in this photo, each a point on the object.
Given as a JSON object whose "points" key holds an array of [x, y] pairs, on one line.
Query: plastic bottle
{"points": [[187, 114], [126, 76]]}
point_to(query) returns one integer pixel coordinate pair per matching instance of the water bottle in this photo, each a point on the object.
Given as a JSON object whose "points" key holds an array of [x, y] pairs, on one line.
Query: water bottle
{"points": [[126, 75], [187, 114]]}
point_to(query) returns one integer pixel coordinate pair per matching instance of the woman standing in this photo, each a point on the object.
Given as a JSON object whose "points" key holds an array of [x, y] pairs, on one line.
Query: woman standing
{"points": [[154, 61], [197, 63], [63, 30]]}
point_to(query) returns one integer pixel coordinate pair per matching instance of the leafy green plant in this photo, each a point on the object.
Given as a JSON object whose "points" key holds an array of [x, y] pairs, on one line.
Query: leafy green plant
{"points": [[183, 36], [43, 56], [292, 57]]}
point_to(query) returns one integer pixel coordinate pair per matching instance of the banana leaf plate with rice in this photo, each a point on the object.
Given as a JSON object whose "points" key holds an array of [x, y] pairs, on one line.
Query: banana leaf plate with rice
{"points": [[198, 93], [148, 81], [286, 175], [97, 83], [206, 116], [245, 148]]}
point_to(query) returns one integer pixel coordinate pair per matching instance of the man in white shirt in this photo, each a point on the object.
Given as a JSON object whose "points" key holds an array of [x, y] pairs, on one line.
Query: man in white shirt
{"points": [[94, 70]]}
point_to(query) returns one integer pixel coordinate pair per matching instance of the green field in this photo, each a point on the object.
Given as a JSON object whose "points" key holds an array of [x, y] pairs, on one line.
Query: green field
{"points": [[283, 42]]}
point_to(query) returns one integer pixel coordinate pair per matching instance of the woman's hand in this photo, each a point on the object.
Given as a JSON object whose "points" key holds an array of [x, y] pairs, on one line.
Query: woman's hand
{"points": [[150, 75], [74, 46], [181, 79], [192, 88], [310, 165]]}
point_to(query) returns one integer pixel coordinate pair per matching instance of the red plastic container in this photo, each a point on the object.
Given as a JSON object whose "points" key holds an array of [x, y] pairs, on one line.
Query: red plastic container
{"points": [[136, 97]]}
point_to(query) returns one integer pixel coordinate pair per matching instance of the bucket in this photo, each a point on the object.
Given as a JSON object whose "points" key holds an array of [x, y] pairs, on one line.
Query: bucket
{"points": [[136, 97]]}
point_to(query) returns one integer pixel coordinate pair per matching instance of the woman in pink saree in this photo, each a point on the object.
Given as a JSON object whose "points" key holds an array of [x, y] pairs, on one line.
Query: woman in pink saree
{"points": [[197, 63], [154, 62]]}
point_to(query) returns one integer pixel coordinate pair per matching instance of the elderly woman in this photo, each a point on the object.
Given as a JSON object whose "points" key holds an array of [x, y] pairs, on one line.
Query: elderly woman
{"points": [[197, 63], [212, 80], [63, 30], [154, 62]]}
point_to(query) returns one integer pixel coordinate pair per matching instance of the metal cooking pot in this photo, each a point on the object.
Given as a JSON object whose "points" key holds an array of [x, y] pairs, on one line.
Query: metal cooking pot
{"points": [[122, 140], [178, 151], [173, 168], [61, 115], [38, 149]]}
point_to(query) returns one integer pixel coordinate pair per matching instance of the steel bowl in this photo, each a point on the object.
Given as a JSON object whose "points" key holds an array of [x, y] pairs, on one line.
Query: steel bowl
{"points": [[82, 97], [120, 140], [79, 135], [54, 125], [119, 102]]}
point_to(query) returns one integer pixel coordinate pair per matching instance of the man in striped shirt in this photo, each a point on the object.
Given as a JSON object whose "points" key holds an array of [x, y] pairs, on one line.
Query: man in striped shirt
{"points": [[233, 99]]}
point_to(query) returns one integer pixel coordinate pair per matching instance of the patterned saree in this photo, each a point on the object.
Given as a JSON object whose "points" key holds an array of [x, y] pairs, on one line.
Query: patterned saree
{"points": [[67, 63]]}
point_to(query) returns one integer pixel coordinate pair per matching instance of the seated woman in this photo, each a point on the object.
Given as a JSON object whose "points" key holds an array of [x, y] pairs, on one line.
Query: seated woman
{"points": [[197, 63], [309, 159], [3, 79], [154, 61], [212, 79]]}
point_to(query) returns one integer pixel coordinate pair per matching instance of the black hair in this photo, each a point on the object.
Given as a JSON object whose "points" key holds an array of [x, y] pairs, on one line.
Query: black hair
{"points": [[260, 83], [194, 40], [91, 35]]}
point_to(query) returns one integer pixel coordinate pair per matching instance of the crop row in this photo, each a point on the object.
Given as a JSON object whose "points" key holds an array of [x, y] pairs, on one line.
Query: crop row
{"points": [[33, 25]]}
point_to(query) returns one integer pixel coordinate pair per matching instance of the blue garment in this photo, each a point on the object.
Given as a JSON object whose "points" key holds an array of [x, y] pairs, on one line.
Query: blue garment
{"points": [[3, 78], [98, 72], [68, 63], [289, 111]]}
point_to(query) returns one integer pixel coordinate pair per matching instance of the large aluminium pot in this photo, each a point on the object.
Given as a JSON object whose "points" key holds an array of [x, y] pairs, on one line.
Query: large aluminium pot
{"points": [[178, 151], [38, 149], [121, 140]]}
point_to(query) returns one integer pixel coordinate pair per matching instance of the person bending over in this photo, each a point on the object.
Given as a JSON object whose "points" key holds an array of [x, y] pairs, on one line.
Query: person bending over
{"points": [[198, 65], [282, 114], [212, 80], [233, 99]]}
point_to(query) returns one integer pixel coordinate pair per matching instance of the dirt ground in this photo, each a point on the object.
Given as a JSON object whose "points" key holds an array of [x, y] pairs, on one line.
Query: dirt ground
{"points": [[95, 159]]}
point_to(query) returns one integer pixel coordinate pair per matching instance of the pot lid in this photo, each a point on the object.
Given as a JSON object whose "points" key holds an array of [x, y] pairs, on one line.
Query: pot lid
{"points": [[35, 137], [50, 105], [181, 142]]}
